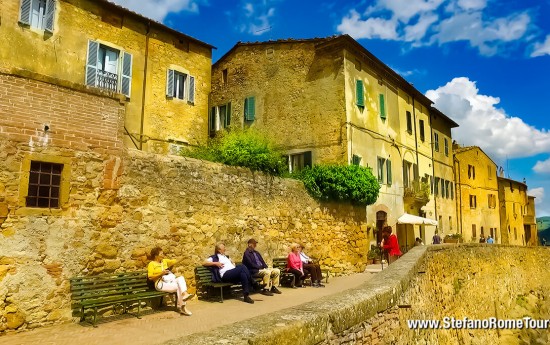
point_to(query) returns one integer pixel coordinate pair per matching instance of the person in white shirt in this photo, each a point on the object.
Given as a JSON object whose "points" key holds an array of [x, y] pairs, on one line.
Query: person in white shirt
{"points": [[224, 270], [311, 269]]}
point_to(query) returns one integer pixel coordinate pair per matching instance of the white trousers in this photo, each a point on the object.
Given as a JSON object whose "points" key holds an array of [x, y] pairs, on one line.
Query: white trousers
{"points": [[178, 286]]}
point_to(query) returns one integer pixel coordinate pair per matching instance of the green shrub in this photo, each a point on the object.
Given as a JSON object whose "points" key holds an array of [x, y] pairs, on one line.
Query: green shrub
{"points": [[245, 148], [350, 183]]}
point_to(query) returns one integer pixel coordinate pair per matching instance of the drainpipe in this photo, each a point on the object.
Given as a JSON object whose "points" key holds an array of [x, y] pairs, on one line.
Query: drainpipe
{"points": [[433, 170], [142, 120], [458, 201]]}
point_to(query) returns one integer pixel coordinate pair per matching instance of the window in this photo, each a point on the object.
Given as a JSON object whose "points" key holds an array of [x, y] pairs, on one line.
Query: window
{"points": [[381, 169], [421, 125], [180, 85], [108, 68], [473, 201], [443, 190], [355, 160], [38, 14], [515, 233], [451, 190], [471, 172], [436, 186], [220, 117], [492, 232], [44, 185], [409, 122], [382, 107], [474, 231], [389, 173], [299, 161], [492, 201], [446, 147], [249, 108], [436, 142], [447, 189], [407, 174], [482, 232], [359, 94], [224, 76], [450, 223], [431, 184]]}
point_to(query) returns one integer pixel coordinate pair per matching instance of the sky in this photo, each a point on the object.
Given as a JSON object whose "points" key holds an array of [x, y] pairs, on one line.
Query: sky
{"points": [[484, 63]]}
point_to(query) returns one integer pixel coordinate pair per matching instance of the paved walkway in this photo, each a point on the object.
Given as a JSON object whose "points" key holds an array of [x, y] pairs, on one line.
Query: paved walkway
{"points": [[162, 326]]}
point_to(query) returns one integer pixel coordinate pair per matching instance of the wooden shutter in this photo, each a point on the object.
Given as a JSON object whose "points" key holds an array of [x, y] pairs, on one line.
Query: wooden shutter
{"points": [[126, 74], [359, 93], [382, 107], [191, 89], [50, 15], [213, 120], [25, 12], [388, 167], [170, 83], [91, 63], [356, 160], [228, 119], [249, 108], [307, 159]]}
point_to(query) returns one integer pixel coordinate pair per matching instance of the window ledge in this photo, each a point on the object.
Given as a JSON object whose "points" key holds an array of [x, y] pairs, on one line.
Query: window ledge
{"points": [[37, 211]]}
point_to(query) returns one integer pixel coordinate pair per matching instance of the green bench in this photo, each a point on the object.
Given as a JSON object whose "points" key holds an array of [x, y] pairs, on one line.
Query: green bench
{"points": [[205, 285], [115, 289], [287, 279]]}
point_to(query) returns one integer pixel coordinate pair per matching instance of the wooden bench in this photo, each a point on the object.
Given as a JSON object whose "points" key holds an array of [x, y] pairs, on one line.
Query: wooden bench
{"points": [[203, 277], [116, 289], [286, 280]]}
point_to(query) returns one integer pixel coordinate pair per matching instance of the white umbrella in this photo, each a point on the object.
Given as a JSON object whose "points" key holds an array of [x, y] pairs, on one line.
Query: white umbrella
{"points": [[412, 219]]}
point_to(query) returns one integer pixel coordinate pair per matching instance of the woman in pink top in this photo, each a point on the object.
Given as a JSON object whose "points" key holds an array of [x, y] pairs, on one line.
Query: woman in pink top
{"points": [[294, 265]]}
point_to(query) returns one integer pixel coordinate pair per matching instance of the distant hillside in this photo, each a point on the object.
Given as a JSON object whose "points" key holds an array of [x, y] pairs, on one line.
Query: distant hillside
{"points": [[543, 225]]}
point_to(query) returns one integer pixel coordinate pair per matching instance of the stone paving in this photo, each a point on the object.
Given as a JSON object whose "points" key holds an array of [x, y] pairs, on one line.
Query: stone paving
{"points": [[161, 326]]}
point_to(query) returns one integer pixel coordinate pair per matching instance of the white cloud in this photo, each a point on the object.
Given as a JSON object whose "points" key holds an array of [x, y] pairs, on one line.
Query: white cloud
{"points": [[370, 28], [542, 167], [483, 124], [542, 48], [538, 193], [159, 9], [427, 22], [257, 17]]}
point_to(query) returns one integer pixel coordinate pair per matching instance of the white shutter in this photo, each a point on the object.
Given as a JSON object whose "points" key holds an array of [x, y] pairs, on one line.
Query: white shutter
{"points": [[50, 15], [191, 89], [91, 63], [25, 13], [126, 74], [170, 83]]}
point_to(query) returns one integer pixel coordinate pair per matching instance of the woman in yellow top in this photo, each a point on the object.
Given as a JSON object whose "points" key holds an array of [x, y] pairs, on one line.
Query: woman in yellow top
{"points": [[158, 272]]}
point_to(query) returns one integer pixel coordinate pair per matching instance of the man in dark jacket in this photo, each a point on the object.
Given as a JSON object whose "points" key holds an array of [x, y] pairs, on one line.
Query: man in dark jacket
{"points": [[258, 268]]}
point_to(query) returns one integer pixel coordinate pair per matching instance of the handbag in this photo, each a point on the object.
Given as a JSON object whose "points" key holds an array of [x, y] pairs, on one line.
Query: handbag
{"points": [[167, 278]]}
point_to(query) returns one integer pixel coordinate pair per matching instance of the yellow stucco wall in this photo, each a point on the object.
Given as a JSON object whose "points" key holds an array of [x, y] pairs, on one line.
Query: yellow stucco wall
{"points": [[63, 55], [513, 208], [484, 184], [298, 96]]}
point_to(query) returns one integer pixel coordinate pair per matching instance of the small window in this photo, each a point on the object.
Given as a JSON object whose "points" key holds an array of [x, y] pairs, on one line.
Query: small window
{"points": [[451, 190], [38, 14], [473, 201], [421, 125], [409, 122], [249, 109], [446, 147], [389, 179], [359, 94], [381, 169], [180, 85], [224, 76], [471, 172], [474, 235], [299, 161], [436, 186], [355, 160], [436, 142], [443, 190], [447, 189], [382, 107], [44, 185], [220, 118]]}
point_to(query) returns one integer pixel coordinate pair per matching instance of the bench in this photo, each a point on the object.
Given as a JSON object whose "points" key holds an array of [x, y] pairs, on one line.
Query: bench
{"points": [[203, 277], [115, 289], [287, 279]]}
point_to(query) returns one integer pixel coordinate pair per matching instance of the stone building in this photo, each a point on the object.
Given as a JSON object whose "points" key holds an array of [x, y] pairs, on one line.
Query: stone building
{"points": [[517, 213], [329, 100], [163, 74], [477, 194]]}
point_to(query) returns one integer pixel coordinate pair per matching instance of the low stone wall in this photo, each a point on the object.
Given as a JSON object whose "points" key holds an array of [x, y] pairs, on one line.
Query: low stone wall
{"points": [[118, 208], [429, 282]]}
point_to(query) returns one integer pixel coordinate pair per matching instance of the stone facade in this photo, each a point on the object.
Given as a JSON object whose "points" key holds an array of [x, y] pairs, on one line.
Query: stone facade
{"points": [[183, 205], [428, 283], [517, 213], [152, 119]]}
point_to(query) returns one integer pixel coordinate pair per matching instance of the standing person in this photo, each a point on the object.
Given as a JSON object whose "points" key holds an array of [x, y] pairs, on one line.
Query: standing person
{"points": [[418, 242], [490, 240], [223, 270], [390, 244], [158, 271], [314, 270], [294, 265], [253, 260], [436, 239]]}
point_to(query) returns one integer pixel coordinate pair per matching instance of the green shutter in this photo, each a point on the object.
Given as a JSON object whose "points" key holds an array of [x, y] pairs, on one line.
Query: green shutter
{"points": [[382, 107], [228, 120], [249, 109], [359, 93], [388, 167], [356, 160]]}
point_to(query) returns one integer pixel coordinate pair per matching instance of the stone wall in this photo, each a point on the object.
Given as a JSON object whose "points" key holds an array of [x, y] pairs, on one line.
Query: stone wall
{"points": [[120, 207], [427, 283]]}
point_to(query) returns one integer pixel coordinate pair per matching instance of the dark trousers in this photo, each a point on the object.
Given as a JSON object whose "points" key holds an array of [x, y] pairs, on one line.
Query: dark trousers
{"points": [[240, 275], [314, 271], [298, 276]]}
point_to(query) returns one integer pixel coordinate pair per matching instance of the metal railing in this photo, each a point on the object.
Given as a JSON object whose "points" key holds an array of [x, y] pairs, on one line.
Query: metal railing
{"points": [[107, 80]]}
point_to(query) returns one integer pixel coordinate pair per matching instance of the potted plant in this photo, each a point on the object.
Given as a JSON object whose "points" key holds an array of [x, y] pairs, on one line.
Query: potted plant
{"points": [[374, 254], [453, 238]]}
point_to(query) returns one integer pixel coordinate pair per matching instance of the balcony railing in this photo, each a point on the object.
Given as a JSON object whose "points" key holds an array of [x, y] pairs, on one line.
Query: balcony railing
{"points": [[107, 80], [418, 190]]}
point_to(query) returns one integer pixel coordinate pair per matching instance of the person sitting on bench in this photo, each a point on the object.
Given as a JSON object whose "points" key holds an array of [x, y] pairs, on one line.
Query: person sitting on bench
{"points": [[253, 260], [158, 272], [223, 270], [294, 265], [313, 269]]}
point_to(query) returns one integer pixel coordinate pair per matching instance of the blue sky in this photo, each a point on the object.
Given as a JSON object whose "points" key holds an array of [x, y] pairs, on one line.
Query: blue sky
{"points": [[485, 63]]}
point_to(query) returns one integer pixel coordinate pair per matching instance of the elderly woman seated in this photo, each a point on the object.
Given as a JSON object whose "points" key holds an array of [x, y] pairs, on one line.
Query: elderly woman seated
{"points": [[294, 265]]}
